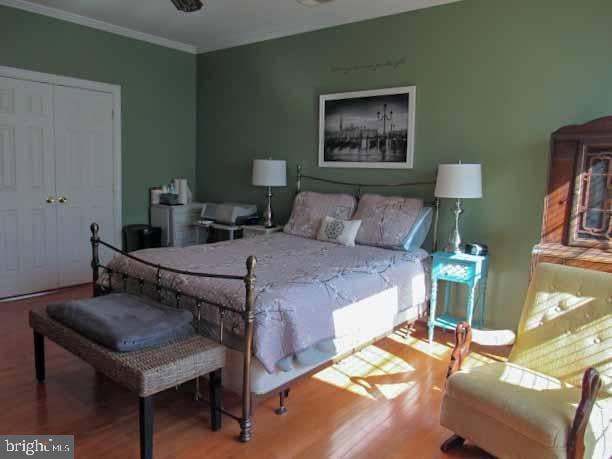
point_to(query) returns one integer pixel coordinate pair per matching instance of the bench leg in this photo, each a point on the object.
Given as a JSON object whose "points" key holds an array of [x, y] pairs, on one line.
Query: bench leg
{"points": [[39, 356], [216, 399], [146, 427]]}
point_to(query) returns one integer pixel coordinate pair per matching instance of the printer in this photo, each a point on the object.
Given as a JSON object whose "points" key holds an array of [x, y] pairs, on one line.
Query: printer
{"points": [[229, 213]]}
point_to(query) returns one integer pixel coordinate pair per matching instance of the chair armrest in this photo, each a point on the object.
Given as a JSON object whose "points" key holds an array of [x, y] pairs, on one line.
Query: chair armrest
{"points": [[493, 337], [463, 339], [591, 384], [465, 335]]}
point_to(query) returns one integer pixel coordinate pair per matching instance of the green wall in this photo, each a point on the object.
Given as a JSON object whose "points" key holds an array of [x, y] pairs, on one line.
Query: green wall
{"points": [[158, 93], [494, 78]]}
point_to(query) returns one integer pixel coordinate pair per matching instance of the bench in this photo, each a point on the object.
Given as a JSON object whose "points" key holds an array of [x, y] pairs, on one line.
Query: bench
{"points": [[145, 371]]}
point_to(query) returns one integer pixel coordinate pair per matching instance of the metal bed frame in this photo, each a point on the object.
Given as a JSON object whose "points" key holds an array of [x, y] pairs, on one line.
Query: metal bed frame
{"points": [[164, 294], [360, 186]]}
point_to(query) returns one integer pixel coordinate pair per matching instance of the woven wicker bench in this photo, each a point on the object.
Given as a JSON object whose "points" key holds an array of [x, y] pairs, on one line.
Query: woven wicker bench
{"points": [[146, 371]]}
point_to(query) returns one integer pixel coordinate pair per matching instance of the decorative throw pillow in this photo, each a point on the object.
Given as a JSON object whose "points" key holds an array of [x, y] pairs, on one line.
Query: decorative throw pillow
{"points": [[419, 231], [386, 220], [339, 231], [309, 210]]}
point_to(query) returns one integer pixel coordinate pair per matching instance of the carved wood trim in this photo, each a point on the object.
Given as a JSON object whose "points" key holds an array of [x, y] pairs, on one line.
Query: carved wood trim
{"points": [[567, 147], [591, 384], [594, 126], [463, 340]]}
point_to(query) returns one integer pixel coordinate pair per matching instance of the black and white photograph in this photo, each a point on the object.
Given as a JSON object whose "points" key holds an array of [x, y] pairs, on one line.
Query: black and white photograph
{"points": [[367, 129]]}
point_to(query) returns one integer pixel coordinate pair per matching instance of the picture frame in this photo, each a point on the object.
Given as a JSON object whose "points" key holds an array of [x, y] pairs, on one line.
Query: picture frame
{"points": [[371, 129]]}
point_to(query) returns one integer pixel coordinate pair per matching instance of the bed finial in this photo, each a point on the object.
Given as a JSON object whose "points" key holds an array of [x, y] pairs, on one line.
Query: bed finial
{"points": [[250, 263], [299, 178], [249, 315]]}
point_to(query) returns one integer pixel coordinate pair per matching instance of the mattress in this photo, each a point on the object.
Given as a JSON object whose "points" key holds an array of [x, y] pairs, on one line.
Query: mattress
{"points": [[264, 382], [307, 292]]}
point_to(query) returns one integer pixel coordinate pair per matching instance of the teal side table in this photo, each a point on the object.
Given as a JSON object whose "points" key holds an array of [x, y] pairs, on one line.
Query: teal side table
{"points": [[463, 268]]}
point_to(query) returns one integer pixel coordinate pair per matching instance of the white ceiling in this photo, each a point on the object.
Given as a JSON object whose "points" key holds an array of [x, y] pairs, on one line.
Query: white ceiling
{"points": [[221, 23]]}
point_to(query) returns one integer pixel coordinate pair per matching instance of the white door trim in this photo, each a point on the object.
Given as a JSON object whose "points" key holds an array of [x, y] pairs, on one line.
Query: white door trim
{"points": [[115, 90]]}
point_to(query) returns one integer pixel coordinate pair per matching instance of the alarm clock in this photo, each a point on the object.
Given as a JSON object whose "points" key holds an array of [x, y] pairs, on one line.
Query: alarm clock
{"points": [[476, 248]]}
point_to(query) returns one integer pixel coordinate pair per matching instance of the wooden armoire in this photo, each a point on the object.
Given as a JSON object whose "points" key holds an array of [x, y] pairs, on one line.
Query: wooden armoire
{"points": [[577, 223]]}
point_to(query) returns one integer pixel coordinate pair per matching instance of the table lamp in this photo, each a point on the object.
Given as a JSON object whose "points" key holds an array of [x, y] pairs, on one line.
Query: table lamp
{"points": [[269, 173], [458, 181]]}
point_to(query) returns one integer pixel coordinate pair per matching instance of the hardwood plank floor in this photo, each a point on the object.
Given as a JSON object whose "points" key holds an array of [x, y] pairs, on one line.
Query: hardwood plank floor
{"points": [[381, 403]]}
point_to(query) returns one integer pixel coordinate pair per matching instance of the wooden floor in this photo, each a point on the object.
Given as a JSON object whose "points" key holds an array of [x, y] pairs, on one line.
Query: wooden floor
{"points": [[382, 403]]}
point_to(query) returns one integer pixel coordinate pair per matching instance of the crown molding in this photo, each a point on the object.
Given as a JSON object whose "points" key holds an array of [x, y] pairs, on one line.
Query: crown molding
{"points": [[100, 25]]}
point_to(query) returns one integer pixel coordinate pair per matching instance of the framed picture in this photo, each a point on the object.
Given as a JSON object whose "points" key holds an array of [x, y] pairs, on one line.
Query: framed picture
{"points": [[367, 129]]}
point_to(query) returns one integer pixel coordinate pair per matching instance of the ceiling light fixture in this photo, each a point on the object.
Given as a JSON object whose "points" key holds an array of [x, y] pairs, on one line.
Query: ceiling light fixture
{"points": [[187, 6], [311, 3]]}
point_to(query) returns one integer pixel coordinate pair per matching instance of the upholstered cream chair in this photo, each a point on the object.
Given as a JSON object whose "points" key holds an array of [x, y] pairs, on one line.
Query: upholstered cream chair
{"points": [[553, 398]]}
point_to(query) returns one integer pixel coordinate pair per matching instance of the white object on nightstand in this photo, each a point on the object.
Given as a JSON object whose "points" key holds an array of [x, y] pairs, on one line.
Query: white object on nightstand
{"points": [[177, 223], [249, 231]]}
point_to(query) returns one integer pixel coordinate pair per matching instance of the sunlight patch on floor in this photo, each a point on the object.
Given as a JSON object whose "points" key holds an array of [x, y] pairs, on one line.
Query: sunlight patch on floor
{"points": [[436, 350], [375, 373], [371, 373], [441, 351]]}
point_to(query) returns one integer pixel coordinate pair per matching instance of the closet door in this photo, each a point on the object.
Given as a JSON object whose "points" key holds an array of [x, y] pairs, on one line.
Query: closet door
{"points": [[28, 224], [84, 176]]}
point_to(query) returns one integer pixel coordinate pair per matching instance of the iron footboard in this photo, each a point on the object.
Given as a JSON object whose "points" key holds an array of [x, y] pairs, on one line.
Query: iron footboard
{"points": [[165, 294]]}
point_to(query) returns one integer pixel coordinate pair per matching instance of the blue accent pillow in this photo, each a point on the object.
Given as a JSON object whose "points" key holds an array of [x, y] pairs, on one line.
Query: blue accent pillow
{"points": [[419, 231]]}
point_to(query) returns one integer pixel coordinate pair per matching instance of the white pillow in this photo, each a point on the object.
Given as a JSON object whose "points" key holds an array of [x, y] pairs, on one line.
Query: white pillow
{"points": [[339, 231]]}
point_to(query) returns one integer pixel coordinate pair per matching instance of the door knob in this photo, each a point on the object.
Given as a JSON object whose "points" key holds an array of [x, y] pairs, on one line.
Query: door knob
{"points": [[50, 200], [62, 199]]}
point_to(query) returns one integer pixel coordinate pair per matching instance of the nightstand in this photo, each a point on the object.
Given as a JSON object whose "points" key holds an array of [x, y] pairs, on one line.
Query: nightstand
{"points": [[249, 231], [471, 270]]}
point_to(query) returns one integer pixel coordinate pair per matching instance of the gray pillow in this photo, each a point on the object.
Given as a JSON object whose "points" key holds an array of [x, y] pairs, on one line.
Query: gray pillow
{"points": [[124, 322]]}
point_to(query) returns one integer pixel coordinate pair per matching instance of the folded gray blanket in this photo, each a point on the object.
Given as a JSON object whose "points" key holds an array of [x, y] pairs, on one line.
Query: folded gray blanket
{"points": [[124, 322]]}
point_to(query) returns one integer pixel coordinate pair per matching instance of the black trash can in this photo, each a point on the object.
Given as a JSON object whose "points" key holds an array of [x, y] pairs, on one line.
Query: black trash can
{"points": [[137, 237]]}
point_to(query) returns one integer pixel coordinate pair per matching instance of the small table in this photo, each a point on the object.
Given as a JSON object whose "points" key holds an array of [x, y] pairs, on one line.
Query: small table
{"points": [[231, 230], [205, 227], [463, 268], [249, 231]]}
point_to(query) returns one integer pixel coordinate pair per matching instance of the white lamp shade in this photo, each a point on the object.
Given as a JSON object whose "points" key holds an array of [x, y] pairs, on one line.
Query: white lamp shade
{"points": [[269, 172], [459, 181]]}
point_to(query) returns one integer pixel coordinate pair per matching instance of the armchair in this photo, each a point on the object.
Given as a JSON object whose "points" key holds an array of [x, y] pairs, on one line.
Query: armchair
{"points": [[553, 398]]}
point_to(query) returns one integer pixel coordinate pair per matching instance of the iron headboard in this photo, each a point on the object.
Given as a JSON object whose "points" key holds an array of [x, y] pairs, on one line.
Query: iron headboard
{"points": [[359, 186]]}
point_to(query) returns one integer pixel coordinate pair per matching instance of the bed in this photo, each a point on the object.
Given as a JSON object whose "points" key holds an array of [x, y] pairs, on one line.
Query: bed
{"points": [[302, 303]]}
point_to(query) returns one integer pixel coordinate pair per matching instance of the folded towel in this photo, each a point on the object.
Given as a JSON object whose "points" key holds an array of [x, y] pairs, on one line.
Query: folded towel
{"points": [[124, 322]]}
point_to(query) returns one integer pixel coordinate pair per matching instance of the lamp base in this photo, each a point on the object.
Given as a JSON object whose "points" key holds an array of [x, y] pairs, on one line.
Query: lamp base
{"points": [[454, 240], [267, 215]]}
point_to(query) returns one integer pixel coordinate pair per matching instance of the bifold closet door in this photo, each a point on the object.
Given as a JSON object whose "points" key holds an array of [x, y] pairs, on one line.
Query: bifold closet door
{"points": [[84, 176], [28, 223]]}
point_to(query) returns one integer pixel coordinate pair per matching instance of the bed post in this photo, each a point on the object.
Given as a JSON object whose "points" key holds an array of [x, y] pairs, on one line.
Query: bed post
{"points": [[249, 317], [95, 257], [435, 224], [298, 182]]}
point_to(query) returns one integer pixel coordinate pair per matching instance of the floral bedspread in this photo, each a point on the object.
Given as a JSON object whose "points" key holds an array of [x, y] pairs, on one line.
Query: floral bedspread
{"points": [[300, 283]]}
